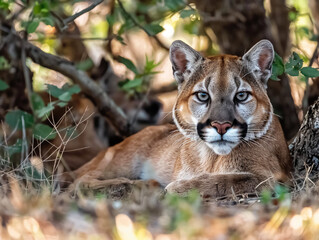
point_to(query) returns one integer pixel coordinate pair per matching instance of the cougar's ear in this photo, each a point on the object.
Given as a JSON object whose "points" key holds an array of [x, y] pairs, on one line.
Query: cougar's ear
{"points": [[184, 60], [259, 60]]}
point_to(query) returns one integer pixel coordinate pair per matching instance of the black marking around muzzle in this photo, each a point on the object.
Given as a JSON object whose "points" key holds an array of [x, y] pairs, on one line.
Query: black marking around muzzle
{"points": [[201, 126], [242, 126]]}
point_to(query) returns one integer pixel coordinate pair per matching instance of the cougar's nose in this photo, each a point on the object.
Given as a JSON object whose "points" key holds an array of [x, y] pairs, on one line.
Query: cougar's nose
{"points": [[221, 127]]}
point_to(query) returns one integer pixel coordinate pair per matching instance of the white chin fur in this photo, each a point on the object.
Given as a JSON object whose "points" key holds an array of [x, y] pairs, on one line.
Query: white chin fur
{"points": [[221, 148]]}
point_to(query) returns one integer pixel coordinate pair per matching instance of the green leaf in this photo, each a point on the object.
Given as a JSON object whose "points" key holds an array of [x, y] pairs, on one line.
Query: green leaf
{"points": [[45, 111], [14, 119], [150, 65], [15, 148], [37, 102], [132, 84], [41, 8], [62, 104], [42, 131], [3, 85], [153, 29], [128, 24], [4, 63], [36, 8], [85, 65], [32, 26], [120, 39], [65, 97], [193, 27], [293, 16], [186, 13], [44, 11], [54, 90], [266, 196], [293, 66], [71, 89], [48, 21], [310, 72], [281, 192], [293, 71], [128, 63], [277, 68], [175, 5], [4, 5], [110, 19], [63, 93]]}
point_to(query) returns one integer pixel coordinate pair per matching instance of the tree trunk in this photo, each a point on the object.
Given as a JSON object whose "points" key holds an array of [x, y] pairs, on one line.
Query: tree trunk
{"points": [[305, 147], [240, 24]]}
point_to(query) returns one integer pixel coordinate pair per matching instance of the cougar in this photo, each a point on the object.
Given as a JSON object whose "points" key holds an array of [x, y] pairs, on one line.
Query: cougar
{"points": [[225, 140]]}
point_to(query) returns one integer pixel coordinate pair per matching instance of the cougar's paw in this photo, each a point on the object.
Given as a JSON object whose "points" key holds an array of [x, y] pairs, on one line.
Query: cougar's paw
{"points": [[202, 185], [180, 187]]}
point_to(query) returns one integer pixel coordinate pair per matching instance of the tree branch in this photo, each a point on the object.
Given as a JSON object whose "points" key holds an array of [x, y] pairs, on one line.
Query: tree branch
{"points": [[160, 43], [104, 103], [305, 103], [73, 17], [26, 75], [77, 37]]}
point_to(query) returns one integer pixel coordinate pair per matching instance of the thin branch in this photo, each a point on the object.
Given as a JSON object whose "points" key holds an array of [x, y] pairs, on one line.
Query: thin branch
{"points": [[75, 37], [314, 55], [60, 24], [18, 13], [89, 8], [65, 22], [137, 24], [139, 107], [305, 102], [26, 74], [160, 43]]}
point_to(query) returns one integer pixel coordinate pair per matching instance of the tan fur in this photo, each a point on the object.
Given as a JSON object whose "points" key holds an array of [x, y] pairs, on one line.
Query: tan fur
{"points": [[180, 160]]}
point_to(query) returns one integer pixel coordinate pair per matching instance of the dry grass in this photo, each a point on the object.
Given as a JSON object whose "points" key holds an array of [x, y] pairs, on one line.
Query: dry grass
{"points": [[32, 206], [29, 212]]}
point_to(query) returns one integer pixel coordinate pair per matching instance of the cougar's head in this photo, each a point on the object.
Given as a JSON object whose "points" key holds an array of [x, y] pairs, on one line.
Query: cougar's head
{"points": [[222, 100]]}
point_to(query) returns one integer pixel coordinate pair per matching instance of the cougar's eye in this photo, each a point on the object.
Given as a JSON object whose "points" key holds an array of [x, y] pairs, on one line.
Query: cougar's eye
{"points": [[202, 96], [241, 96]]}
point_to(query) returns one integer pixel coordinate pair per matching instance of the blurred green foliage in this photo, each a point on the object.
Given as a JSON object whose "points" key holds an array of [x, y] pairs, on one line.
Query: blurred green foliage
{"points": [[294, 67], [278, 195], [140, 82], [182, 208]]}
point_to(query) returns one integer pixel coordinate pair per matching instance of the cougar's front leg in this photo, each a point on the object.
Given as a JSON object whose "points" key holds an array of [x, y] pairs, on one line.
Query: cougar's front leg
{"points": [[219, 185], [112, 163]]}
